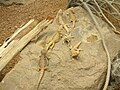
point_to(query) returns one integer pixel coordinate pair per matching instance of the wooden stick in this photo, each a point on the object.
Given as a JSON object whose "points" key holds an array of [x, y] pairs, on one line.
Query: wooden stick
{"points": [[21, 43], [15, 34], [108, 21], [112, 7], [104, 15], [104, 45]]}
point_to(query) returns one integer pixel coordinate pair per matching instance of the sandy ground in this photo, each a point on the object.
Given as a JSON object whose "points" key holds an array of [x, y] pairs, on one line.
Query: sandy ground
{"points": [[12, 17]]}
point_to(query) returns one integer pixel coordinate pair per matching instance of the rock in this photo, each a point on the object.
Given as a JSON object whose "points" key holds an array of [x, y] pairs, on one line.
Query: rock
{"points": [[115, 74]]}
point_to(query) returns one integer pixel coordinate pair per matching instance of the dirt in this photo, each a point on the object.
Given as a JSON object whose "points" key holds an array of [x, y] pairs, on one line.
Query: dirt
{"points": [[13, 16]]}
